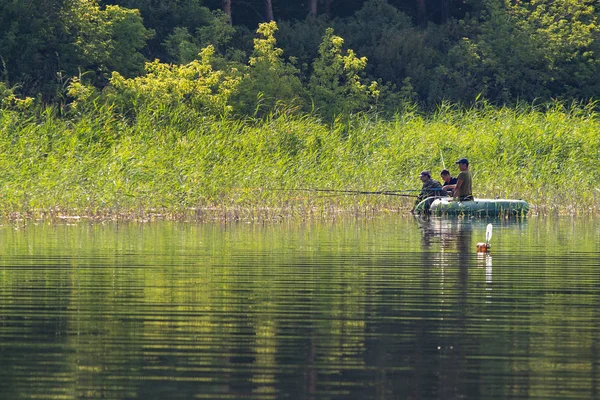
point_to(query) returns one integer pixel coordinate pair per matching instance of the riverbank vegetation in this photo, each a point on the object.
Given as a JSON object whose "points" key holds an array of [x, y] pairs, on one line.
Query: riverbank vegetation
{"points": [[247, 133], [185, 164]]}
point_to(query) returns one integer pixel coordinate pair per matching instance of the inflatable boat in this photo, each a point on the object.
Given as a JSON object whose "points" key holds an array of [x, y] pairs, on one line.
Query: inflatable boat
{"points": [[440, 206]]}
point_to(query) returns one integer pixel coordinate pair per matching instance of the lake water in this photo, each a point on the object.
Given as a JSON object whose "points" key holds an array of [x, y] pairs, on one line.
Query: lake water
{"points": [[390, 308]]}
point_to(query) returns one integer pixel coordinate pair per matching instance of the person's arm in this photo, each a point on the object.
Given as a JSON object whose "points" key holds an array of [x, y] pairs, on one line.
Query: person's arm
{"points": [[432, 188], [422, 194], [457, 188]]}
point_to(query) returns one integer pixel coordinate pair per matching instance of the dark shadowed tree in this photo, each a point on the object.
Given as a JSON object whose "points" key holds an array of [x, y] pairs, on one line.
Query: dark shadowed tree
{"points": [[164, 16], [444, 10], [226, 7], [327, 6], [269, 10], [312, 8], [421, 12], [29, 43]]}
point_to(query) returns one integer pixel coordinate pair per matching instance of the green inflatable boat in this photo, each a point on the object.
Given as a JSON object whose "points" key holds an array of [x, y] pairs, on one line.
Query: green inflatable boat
{"points": [[441, 206]]}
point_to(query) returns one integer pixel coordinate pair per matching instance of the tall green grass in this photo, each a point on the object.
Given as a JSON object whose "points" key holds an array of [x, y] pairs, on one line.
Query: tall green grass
{"points": [[180, 163]]}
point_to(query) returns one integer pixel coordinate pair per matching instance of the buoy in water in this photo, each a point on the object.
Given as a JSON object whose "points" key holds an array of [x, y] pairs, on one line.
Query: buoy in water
{"points": [[485, 247]]}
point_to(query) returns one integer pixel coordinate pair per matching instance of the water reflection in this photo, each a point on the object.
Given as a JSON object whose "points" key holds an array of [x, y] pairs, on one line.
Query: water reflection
{"points": [[451, 234], [383, 309]]}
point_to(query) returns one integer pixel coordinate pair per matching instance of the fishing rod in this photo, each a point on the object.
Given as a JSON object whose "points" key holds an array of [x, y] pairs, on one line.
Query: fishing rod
{"points": [[398, 192], [380, 192]]}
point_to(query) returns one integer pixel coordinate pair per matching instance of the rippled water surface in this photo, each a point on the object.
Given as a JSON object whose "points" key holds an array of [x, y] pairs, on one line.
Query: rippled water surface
{"points": [[392, 308]]}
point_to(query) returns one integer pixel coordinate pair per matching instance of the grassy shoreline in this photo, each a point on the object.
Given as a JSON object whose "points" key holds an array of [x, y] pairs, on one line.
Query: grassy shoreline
{"points": [[100, 164]]}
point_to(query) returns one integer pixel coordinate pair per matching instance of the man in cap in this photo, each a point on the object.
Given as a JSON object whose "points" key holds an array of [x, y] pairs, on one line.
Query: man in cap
{"points": [[462, 190], [431, 188]]}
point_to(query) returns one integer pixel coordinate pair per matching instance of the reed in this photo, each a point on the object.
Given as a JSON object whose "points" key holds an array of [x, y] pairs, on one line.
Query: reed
{"points": [[178, 163]]}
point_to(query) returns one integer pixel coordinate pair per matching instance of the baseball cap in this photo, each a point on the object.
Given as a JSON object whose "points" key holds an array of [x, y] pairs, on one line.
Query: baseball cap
{"points": [[463, 161]]}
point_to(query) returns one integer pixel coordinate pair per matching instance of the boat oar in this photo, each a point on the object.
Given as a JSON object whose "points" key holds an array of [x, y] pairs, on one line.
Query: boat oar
{"points": [[485, 247]]}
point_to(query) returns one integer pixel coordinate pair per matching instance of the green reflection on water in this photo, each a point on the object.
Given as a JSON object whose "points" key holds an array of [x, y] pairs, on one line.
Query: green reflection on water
{"points": [[388, 308]]}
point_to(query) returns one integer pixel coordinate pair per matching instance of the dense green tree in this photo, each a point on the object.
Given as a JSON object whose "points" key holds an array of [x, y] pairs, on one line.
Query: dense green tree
{"points": [[336, 86], [43, 43], [495, 59], [301, 40], [32, 45], [163, 17], [105, 40], [164, 87], [395, 47], [567, 32], [269, 83], [183, 46], [536, 50], [418, 50]]}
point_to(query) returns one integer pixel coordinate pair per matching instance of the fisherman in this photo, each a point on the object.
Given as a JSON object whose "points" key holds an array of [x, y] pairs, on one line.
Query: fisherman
{"points": [[462, 190], [448, 180], [431, 189]]}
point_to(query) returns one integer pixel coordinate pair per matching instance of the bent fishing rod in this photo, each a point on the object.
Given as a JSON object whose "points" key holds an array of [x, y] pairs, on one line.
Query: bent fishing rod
{"points": [[401, 193]]}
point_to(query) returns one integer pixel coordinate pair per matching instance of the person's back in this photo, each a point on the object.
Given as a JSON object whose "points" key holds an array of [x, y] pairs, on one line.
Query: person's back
{"points": [[464, 187]]}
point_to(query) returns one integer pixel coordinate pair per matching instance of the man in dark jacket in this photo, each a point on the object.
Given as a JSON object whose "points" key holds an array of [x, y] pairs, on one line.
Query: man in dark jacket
{"points": [[448, 180], [431, 188]]}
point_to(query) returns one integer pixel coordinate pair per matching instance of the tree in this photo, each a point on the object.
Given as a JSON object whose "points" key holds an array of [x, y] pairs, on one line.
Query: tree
{"points": [[44, 42], [335, 85], [269, 82], [568, 34], [106, 40], [421, 12], [226, 7], [396, 49], [195, 86], [183, 46], [312, 8], [31, 34], [269, 10], [163, 16], [535, 50]]}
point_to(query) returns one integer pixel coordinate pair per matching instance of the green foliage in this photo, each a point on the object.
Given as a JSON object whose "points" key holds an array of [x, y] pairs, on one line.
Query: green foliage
{"points": [[184, 47], [335, 85], [30, 37], [181, 46], [301, 39], [535, 50], [99, 163], [128, 37], [10, 101], [387, 37], [269, 82], [165, 88], [567, 34], [502, 51], [106, 40], [164, 17], [396, 48], [502, 58]]}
